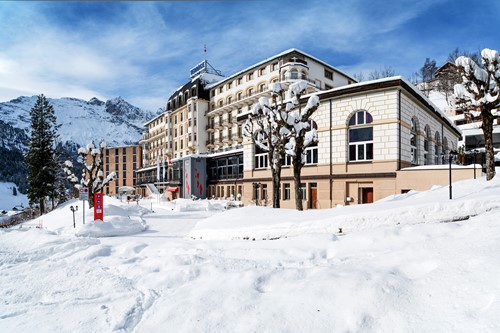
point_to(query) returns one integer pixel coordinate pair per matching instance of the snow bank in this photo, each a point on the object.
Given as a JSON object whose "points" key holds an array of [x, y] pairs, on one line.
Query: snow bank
{"points": [[262, 223], [187, 205], [114, 225]]}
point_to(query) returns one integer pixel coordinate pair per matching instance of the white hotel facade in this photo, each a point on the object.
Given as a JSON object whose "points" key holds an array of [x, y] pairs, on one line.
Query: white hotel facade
{"points": [[371, 134]]}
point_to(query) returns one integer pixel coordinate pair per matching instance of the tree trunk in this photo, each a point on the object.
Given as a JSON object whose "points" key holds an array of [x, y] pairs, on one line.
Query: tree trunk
{"points": [[276, 187], [297, 166], [42, 206], [487, 127]]}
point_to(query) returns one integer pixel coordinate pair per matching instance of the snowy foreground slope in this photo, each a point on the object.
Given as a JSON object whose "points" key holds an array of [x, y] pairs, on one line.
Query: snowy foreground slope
{"points": [[400, 265]]}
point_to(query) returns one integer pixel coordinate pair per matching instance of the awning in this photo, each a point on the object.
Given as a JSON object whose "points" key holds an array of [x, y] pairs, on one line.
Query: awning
{"points": [[126, 189], [173, 189]]}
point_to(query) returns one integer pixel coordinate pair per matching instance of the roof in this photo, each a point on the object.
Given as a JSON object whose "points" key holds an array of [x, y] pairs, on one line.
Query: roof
{"points": [[384, 83], [276, 57]]}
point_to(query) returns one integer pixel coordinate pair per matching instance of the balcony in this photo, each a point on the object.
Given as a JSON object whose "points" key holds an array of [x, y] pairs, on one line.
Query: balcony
{"points": [[210, 143], [227, 121], [237, 137], [246, 99]]}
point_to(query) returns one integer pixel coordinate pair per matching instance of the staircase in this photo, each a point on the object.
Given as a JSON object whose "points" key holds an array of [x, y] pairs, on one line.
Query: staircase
{"points": [[152, 188]]}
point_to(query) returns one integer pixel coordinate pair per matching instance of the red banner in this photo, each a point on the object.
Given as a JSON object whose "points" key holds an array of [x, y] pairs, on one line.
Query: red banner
{"points": [[98, 207]]}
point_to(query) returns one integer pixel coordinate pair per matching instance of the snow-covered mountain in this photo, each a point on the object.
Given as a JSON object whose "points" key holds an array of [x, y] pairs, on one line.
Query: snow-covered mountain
{"points": [[115, 121]]}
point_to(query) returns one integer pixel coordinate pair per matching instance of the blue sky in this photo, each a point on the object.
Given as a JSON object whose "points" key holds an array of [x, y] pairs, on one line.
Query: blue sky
{"points": [[143, 51]]}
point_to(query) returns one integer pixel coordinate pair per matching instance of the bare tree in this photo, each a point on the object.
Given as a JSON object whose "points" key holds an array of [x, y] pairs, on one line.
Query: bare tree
{"points": [[265, 129], [298, 122], [387, 71], [480, 92], [92, 175]]}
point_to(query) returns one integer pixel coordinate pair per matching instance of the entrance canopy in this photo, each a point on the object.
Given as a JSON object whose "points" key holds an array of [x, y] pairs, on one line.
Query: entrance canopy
{"points": [[126, 189], [173, 188]]}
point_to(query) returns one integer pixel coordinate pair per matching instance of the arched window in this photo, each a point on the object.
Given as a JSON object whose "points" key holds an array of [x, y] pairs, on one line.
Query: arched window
{"points": [[427, 139], [414, 141], [360, 137], [294, 74], [437, 150]]}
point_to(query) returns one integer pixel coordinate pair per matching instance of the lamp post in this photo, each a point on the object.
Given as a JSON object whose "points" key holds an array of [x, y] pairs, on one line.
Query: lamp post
{"points": [[450, 158], [73, 209], [256, 187], [474, 153]]}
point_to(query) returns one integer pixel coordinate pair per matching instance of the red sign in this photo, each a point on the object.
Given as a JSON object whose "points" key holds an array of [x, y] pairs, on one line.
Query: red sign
{"points": [[98, 207]]}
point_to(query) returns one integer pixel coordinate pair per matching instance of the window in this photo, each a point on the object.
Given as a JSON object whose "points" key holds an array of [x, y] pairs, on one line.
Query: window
{"points": [[414, 141], [286, 191], [328, 74], [261, 161], [240, 96], [360, 137], [220, 90], [312, 154], [124, 158], [250, 76], [262, 87], [262, 71], [239, 80], [303, 191], [286, 161], [229, 85], [437, 151], [427, 138], [250, 92], [294, 74]]}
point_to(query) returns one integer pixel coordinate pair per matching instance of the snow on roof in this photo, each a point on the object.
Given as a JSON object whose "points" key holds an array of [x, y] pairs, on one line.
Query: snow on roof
{"points": [[389, 79], [277, 56]]}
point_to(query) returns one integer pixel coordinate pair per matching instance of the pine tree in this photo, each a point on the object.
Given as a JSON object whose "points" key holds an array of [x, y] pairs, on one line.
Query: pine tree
{"points": [[40, 157]]}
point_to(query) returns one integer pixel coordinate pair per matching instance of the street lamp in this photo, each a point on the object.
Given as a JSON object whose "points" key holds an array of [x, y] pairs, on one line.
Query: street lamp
{"points": [[474, 152], [73, 209], [450, 158], [256, 187]]}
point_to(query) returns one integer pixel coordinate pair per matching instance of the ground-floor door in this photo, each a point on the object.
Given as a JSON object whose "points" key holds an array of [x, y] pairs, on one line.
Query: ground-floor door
{"points": [[366, 195], [313, 196]]}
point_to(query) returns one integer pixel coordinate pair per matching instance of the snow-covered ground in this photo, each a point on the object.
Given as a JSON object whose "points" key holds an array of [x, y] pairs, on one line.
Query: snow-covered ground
{"points": [[416, 262], [8, 200]]}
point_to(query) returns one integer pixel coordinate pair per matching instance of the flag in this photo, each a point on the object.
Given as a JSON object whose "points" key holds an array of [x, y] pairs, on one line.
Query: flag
{"points": [[164, 168], [158, 169]]}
